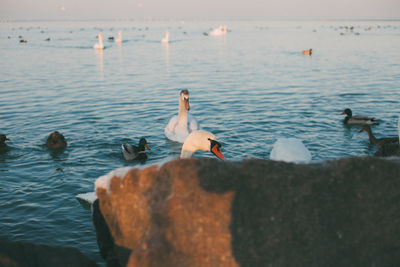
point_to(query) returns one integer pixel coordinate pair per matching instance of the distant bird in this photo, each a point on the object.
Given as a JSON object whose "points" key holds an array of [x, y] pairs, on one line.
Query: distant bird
{"points": [[181, 125], [23, 41], [119, 39], [99, 45], [3, 145], [166, 38], [378, 141], [111, 38], [201, 140], [56, 141], [47, 39], [359, 120], [219, 31], [132, 152], [307, 52]]}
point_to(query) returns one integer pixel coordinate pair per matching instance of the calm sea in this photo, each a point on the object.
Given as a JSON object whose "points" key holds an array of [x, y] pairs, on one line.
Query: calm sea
{"points": [[248, 87]]}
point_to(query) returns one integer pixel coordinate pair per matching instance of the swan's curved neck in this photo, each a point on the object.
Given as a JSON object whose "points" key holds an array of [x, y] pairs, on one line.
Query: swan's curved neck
{"points": [[182, 113], [100, 40], [185, 154]]}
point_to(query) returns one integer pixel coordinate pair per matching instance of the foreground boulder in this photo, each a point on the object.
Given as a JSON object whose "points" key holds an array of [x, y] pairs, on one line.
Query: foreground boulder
{"points": [[203, 212], [18, 254]]}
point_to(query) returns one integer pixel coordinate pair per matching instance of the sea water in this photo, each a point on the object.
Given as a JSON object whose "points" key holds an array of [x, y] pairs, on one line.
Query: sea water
{"points": [[248, 87]]}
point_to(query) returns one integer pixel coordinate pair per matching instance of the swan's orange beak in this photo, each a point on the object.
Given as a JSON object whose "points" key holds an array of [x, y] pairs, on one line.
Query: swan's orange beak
{"points": [[146, 146], [216, 150]]}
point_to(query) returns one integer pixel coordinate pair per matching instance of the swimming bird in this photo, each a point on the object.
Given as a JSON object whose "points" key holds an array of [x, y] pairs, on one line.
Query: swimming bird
{"points": [[181, 125], [290, 150], [201, 140], [119, 39], [3, 145], [56, 141], [219, 31], [166, 38], [378, 141], [307, 52], [99, 45], [360, 120], [132, 152]]}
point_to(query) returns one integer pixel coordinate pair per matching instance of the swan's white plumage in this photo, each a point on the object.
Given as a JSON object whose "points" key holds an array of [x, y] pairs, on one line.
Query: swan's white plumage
{"points": [[219, 31], [99, 45], [290, 150], [166, 38], [197, 140], [119, 39]]}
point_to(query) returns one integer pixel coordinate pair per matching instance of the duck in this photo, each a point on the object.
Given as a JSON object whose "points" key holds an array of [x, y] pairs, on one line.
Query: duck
{"points": [[99, 45], [378, 141], [307, 52], [201, 140], [132, 152], [166, 38], [119, 39], [359, 120], [56, 141], [3, 145], [290, 150], [181, 125]]}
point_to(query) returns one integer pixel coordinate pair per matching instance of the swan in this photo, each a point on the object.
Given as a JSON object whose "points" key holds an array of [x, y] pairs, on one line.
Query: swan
{"points": [[201, 140], [360, 120], [119, 39], [181, 125], [166, 38], [219, 31], [290, 150], [99, 45], [132, 152]]}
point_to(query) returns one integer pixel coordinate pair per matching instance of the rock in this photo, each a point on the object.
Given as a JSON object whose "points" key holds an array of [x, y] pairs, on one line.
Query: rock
{"points": [[28, 254], [203, 212]]}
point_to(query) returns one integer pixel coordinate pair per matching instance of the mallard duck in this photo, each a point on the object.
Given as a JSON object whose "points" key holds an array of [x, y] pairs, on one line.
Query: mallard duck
{"points": [[132, 152], [307, 52], [201, 140], [360, 120], [378, 141], [3, 145], [56, 141], [181, 125]]}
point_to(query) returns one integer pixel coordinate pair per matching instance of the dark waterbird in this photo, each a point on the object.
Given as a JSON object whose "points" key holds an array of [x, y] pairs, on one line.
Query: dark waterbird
{"points": [[378, 141], [132, 152], [56, 141], [3, 145], [358, 120]]}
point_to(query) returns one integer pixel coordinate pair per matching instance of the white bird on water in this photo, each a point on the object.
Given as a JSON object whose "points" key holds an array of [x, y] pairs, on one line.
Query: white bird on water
{"points": [[181, 125], [201, 140], [219, 31], [166, 38], [290, 150], [99, 45], [119, 39]]}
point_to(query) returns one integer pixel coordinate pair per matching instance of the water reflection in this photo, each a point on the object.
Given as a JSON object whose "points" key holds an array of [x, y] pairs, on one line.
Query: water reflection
{"points": [[99, 53], [166, 51]]}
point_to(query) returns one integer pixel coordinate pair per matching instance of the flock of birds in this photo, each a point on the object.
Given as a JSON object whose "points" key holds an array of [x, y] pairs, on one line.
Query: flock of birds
{"points": [[184, 128]]}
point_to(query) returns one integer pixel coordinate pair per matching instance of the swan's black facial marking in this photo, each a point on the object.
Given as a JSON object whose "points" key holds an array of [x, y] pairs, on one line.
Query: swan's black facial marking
{"points": [[215, 148]]}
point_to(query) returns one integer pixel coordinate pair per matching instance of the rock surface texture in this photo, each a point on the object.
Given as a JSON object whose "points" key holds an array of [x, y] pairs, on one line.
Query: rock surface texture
{"points": [[204, 212]]}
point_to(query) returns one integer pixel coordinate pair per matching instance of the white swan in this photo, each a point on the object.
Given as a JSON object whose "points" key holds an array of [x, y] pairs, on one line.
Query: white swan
{"points": [[181, 125], [99, 45], [119, 39], [290, 150], [219, 31], [166, 38], [201, 140]]}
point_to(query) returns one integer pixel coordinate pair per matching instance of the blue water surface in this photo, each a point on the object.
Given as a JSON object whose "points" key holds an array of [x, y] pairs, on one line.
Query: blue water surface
{"points": [[249, 88]]}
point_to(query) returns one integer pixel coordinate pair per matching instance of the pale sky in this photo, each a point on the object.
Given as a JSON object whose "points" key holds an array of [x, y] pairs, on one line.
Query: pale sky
{"points": [[126, 9]]}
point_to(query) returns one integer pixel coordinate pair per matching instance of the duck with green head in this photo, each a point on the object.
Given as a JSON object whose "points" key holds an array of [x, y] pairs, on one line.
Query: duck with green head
{"points": [[357, 120], [132, 152]]}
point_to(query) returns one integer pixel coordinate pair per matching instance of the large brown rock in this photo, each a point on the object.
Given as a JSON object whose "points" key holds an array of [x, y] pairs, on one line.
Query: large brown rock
{"points": [[203, 212]]}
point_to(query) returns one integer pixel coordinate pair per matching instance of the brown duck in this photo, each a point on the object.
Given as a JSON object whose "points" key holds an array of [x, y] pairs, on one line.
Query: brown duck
{"points": [[378, 141], [56, 141]]}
